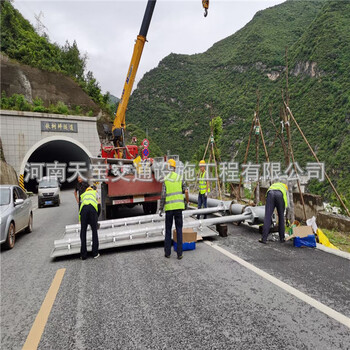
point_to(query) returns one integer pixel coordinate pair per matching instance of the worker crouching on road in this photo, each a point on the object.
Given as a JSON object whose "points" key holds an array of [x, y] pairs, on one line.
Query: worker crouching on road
{"points": [[204, 188], [276, 197], [172, 201], [88, 215]]}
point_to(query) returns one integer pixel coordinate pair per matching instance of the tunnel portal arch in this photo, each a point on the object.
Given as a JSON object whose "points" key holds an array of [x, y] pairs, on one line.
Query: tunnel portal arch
{"points": [[62, 149]]}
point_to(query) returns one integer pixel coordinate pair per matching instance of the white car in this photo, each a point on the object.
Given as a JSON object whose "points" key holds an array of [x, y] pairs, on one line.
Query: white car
{"points": [[48, 192], [15, 214]]}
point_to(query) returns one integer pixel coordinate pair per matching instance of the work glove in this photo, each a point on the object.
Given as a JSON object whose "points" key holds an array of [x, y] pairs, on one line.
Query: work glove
{"points": [[206, 194], [160, 213]]}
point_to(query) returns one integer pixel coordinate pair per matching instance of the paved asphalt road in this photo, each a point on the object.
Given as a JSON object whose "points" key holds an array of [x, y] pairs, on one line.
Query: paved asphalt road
{"points": [[134, 298]]}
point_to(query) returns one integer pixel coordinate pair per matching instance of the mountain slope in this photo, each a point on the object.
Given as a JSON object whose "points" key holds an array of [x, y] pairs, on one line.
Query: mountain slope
{"points": [[175, 100], [262, 39], [20, 41], [50, 87], [322, 102], [175, 97]]}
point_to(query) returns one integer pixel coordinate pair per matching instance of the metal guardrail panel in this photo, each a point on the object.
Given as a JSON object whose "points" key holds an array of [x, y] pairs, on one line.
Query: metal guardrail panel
{"points": [[130, 231], [151, 228]]}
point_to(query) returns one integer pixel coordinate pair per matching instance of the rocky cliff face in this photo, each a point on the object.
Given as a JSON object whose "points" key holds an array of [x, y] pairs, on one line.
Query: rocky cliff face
{"points": [[7, 173], [50, 87]]}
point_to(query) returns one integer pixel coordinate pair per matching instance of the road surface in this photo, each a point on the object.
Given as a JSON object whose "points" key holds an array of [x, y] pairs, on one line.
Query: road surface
{"points": [[134, 298]]}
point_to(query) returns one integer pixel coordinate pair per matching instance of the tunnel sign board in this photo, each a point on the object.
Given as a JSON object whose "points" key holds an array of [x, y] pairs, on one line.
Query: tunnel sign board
{"points": [[50, 126]]}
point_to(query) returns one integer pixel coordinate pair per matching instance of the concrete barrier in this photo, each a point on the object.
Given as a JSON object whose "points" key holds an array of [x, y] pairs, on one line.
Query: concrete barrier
{"points": [[331, 221]]}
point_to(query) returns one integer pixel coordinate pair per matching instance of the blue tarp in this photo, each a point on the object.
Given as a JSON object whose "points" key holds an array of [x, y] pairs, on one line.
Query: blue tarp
{"points": [[308, 241]]}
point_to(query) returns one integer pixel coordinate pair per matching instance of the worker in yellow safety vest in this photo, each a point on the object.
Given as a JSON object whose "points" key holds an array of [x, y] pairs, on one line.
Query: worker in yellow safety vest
{"points": [[88, 215], [172, 201], [276, 197], [204, 187]]}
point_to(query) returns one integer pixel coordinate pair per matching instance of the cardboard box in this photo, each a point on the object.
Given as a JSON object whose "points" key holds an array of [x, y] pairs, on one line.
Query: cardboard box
{"points": [[188, 235], [189, 238], [301, 231]]}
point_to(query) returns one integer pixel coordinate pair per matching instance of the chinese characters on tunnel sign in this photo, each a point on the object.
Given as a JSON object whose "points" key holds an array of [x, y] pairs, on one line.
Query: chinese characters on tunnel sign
{"points": [[50, 126]]}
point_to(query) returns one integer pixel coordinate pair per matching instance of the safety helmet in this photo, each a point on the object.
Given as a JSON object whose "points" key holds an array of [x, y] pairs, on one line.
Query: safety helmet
{"points": [[172, 163], [202, 162]]}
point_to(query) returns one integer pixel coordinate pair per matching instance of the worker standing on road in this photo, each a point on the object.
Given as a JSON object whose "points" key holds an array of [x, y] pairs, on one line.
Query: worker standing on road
{"points": [[172, 201], [204, 188], [88, 216], [276, 197], [80, 188]]}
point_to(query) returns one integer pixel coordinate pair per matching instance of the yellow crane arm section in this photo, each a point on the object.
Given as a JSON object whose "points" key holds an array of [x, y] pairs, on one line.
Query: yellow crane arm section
{"points": [[119, 121]]}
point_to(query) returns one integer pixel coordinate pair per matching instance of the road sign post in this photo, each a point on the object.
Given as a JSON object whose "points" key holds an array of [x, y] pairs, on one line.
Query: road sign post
{"points": [[145, 143], [145, 153]]}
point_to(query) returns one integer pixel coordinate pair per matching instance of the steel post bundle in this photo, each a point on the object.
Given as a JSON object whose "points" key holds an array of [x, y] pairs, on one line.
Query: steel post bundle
{"points": [[132, 231], [252, 215], [151, 228]]}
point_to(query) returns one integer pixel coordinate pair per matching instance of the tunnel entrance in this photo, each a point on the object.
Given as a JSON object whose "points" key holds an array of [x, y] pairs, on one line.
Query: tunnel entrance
{"points": [[55, 157]]}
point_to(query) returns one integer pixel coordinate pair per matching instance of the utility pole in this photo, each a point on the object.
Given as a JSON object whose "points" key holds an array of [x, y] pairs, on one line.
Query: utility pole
{"points": [[291, 152], [257, 134], [257, 129], [287, 126]]}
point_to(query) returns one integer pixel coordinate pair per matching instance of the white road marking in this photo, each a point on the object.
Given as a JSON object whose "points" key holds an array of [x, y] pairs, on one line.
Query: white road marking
{"points": [[300, 295]]}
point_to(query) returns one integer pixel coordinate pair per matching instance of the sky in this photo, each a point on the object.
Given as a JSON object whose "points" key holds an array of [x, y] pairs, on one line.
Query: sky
{"points": [[106, 30]]}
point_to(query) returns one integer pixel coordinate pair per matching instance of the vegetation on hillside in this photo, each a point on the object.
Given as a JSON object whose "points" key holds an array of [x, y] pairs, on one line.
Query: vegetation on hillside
{"points": [[17, 102], [20, 41], [177, 99]]}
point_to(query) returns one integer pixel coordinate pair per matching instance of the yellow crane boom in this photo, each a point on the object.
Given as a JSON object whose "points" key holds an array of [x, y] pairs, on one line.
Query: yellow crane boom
{"points": [[119, 121]]}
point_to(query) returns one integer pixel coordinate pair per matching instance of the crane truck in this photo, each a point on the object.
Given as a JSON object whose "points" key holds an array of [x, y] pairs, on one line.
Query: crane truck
{"points": [[122, 185]]}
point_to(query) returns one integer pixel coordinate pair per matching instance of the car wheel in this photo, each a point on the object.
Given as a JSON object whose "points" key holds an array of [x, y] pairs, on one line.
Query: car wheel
{"points": [[11, 236], [29, 228], [39, 205]]}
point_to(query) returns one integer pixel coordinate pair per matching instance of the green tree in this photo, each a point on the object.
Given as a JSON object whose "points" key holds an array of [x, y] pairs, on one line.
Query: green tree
{"points": [[216, 125], [92, 87], [73, 63]]}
